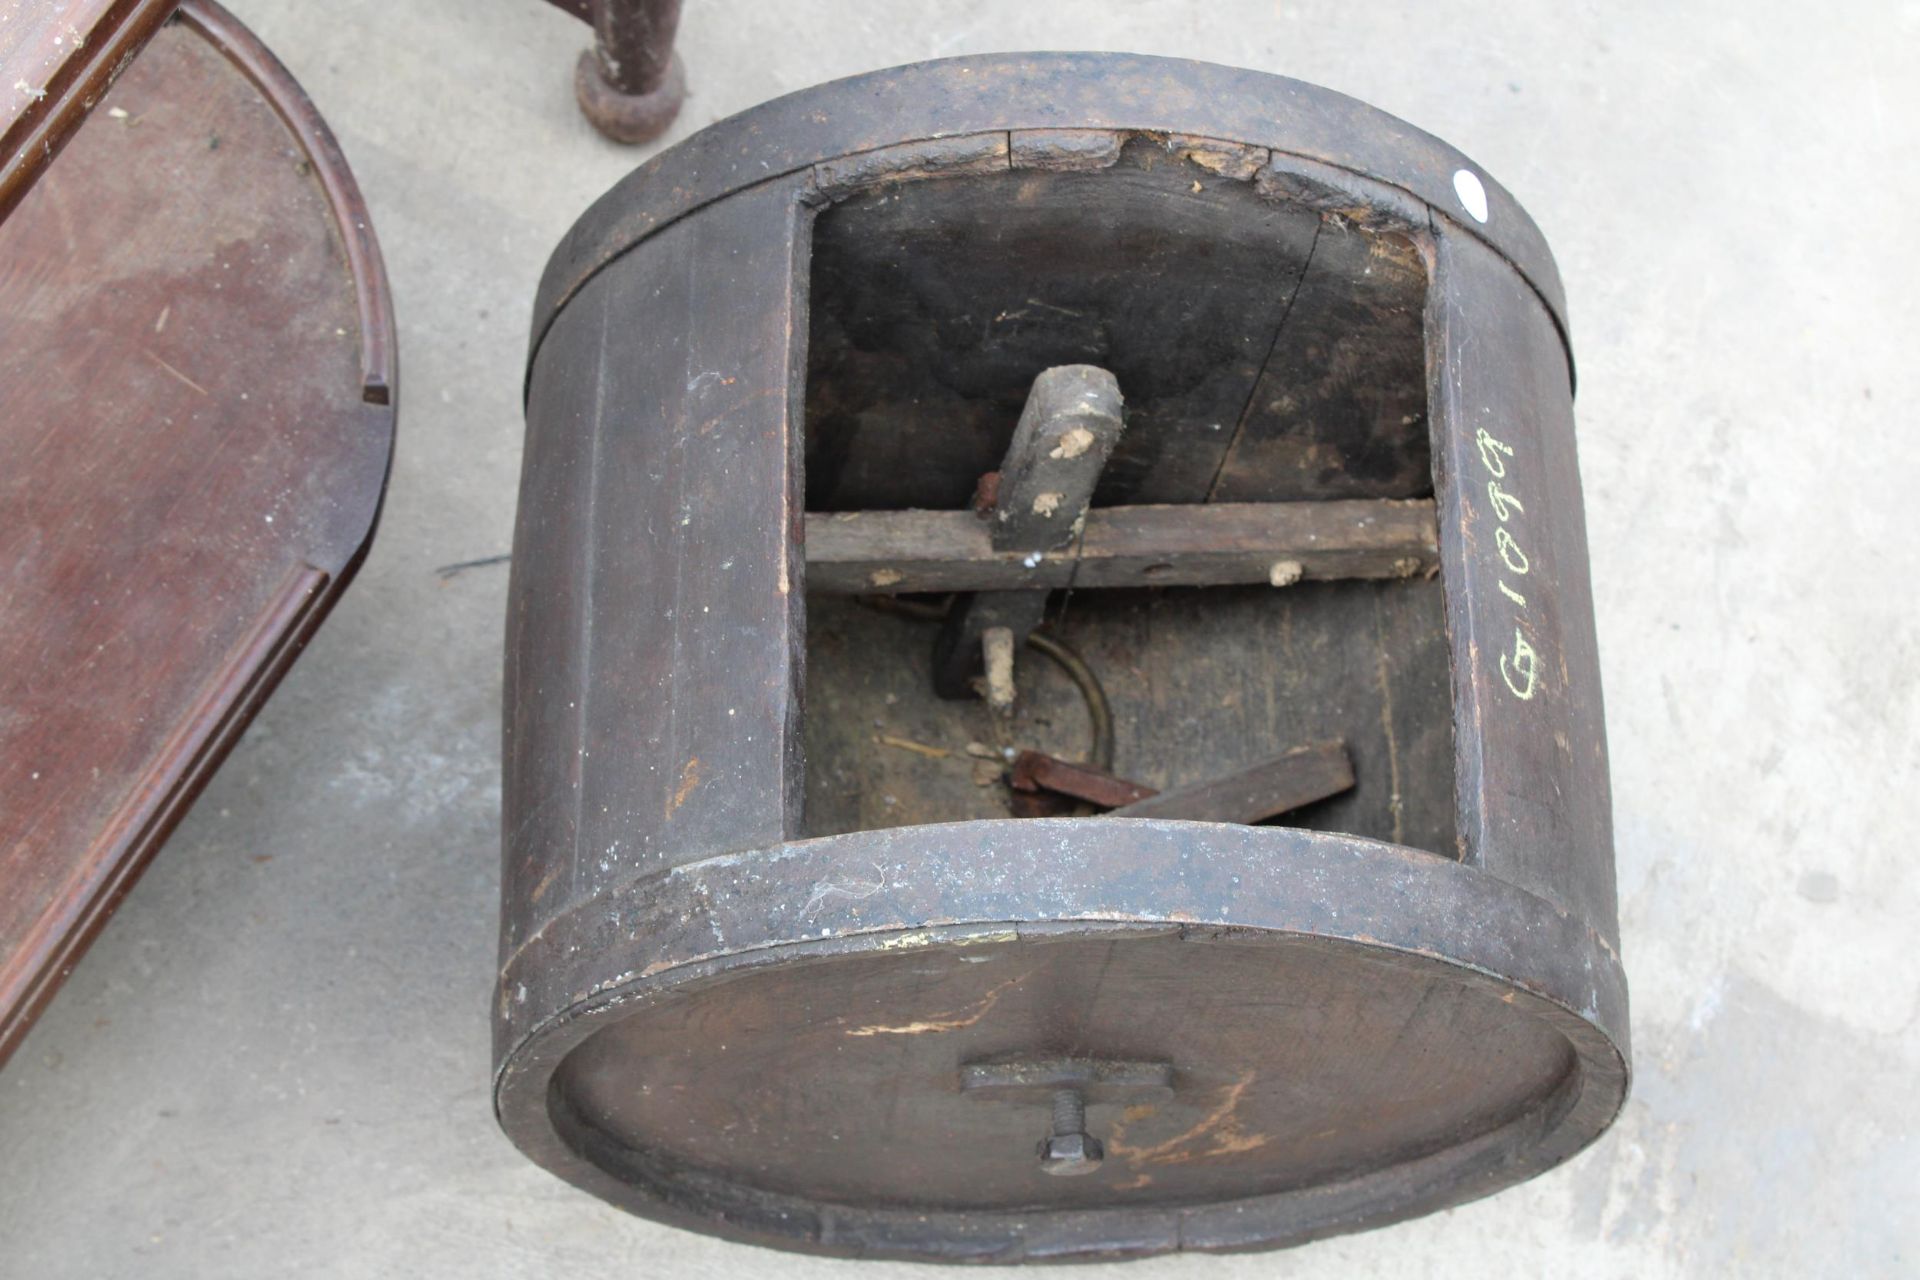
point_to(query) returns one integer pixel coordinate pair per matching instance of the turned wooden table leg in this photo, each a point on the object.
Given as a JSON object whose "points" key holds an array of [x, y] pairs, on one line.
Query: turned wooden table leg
{"points": [[631, 84]]}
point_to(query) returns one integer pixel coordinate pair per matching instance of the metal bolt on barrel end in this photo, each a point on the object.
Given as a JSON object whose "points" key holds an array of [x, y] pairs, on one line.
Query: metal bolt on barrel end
{"points": [[1069, 1150]]}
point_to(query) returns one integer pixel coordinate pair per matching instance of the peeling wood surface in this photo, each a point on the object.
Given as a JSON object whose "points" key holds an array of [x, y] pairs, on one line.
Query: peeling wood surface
{"points": [[1136, 94]]}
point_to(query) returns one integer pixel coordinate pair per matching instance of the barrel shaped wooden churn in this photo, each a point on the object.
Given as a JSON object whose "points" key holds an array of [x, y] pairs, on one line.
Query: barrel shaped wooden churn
{"points": [[1051, 698]]}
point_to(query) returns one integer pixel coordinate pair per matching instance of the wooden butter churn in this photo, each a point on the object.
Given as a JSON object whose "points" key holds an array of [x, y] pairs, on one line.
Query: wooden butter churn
{"points": [[1050, 635]]}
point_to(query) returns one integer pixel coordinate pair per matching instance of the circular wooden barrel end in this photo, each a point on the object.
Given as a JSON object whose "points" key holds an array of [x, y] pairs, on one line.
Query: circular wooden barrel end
{"points": [[1247, 1069]]}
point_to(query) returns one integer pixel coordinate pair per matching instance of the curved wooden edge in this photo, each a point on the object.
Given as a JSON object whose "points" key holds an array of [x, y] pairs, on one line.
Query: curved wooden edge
{"points": [[255, 666], [378, 352], [1013, 92], [1569, 1117], [1369, 890], [161, 798], [661, 935], [93, 44]]}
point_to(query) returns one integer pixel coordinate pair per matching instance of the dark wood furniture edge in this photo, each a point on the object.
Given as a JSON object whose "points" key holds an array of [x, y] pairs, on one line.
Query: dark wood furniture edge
{"points": [[38, 135], [157, 802], [378, 355]]}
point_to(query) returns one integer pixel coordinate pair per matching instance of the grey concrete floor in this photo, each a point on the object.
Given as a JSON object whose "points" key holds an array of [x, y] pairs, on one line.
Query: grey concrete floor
{"points": [[274, 1062]]}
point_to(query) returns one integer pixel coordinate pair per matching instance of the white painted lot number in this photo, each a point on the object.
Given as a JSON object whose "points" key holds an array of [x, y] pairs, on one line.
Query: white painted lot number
{"points": [[1519, 666]]}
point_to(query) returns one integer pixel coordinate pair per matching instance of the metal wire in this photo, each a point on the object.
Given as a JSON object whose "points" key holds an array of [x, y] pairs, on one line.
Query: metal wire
{"points": [[1099, 711]]}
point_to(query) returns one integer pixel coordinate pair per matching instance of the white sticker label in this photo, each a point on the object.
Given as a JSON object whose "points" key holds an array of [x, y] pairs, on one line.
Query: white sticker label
{"points": [[1472, 193]]}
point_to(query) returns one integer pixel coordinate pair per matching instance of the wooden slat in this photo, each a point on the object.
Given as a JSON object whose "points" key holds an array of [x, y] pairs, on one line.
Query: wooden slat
{"points": [[682, 739], [1266, 790], [1217, 544], [1037, 771]]}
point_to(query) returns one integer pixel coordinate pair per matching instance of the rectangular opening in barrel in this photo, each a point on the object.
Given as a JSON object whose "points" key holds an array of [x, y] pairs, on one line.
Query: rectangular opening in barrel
{"points": [[1268, 353]]}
